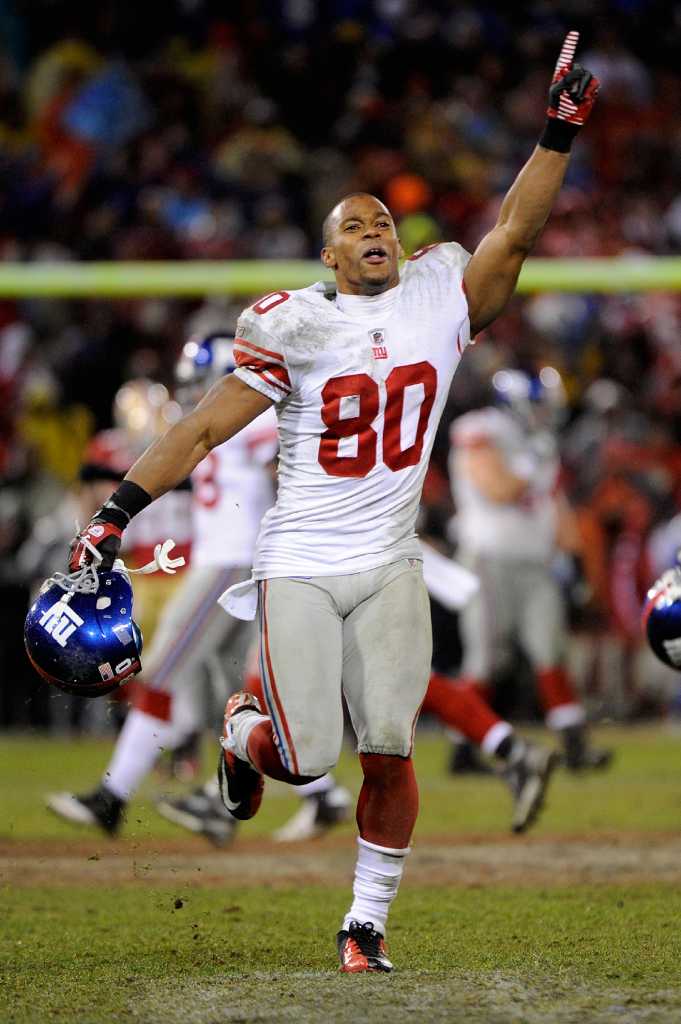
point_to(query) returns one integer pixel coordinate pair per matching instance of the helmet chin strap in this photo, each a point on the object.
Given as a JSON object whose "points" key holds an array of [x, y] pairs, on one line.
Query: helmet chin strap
{"points": [[86, 580], [161, 562]]}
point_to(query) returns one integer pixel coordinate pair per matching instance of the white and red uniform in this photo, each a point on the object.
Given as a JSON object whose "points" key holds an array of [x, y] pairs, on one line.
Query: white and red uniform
{"points": [[510, 546], [360, 383], [231, 490], [521, 530]]}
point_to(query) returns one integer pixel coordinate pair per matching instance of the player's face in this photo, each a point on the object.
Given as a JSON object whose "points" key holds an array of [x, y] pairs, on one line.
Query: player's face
{"points": [[363, 249]]}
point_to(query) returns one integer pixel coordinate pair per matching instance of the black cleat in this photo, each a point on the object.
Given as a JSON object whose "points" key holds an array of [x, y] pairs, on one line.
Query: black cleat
{"points": [[241, 786], [201, 812], [99, 808], [464, 759], [317, 815], [361, 950], [527, 772], [579, 755]]}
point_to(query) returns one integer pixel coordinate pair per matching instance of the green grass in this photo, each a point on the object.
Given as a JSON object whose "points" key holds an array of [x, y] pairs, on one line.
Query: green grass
{"points": [[484, 954], [641, 793], [241, 955]]}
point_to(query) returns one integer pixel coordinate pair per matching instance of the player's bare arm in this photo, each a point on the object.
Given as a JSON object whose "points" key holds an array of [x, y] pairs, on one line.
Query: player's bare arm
{"points": [[493, 270], [228, 407], [487, 470]]}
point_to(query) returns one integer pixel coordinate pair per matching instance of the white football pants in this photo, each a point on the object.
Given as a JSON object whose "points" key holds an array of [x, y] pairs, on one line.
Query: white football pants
{"points": [[366, 635]]}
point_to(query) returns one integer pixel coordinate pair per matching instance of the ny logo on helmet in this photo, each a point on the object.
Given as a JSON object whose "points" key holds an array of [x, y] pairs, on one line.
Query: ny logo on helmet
{"points": [[60, 622], [673, 649]]}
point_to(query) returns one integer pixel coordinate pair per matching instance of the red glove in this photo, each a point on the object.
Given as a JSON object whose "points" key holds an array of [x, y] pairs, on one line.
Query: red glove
{"points": [[105, 529], [104, 537], [571, 97], [573, 88]]}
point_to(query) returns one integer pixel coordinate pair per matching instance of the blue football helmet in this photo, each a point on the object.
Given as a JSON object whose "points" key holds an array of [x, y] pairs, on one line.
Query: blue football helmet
{"points": [[662, 617], [537, 400], [80, 634], [204, 360]]}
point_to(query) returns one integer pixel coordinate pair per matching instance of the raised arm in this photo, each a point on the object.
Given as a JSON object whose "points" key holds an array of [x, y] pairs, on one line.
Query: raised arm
{"points": [[492, 272], [229, 405]]}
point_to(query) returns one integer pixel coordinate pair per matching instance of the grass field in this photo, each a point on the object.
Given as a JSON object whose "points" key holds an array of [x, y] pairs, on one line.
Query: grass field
{"points": [[577, 922]]}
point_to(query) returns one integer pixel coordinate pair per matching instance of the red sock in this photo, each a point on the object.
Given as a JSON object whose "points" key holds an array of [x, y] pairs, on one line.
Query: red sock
{"points": [[388, 801], [253, 684], [156, 703], [555, 688], [458, 704], [264, 756]]}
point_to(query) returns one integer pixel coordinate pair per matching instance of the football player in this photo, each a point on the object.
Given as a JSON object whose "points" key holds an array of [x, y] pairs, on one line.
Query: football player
{"points": [[359, 373], [512, 520], [231, 490]]}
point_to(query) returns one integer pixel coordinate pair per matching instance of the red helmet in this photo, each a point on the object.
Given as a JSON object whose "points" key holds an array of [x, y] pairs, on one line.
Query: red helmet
{"points": [[107, 457]]}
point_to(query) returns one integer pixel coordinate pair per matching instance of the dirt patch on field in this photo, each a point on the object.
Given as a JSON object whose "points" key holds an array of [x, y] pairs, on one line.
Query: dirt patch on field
{"points": [[503, 860]]}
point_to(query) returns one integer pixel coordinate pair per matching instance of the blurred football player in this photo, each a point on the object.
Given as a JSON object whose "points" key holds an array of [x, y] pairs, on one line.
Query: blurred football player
{"points": [[512, 519], [194, 639], [525, 767], [106, 460], [359, 372], [143, 410]]}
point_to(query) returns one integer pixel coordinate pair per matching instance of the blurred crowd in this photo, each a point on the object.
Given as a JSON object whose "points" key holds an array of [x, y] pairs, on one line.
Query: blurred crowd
{"points": [[192, 129]]}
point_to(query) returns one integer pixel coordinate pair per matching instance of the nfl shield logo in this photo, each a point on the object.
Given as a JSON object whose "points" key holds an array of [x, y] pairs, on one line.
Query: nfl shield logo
{"points": [[378, 345]]}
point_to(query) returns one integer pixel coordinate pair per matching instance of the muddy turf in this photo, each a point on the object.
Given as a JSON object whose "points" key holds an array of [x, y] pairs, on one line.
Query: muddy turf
{"points": [[577, 922]]}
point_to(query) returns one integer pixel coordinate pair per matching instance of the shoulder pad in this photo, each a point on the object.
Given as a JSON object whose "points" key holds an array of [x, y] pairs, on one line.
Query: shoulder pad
{"points": [[448, 254]]}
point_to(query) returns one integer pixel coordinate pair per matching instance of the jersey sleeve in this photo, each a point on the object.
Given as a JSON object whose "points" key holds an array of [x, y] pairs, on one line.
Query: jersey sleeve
{"points": [[260, 359]]}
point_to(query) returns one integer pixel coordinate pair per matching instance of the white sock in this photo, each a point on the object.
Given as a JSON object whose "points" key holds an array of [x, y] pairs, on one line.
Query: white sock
{"points": [[324, 784], [494, 736], [139, 744], [377, 878], [239, 730], [565, 715]]}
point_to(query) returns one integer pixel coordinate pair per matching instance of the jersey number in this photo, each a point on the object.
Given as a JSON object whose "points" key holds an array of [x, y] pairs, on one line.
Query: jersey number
{"points": [[206, 489], [364, 390]]}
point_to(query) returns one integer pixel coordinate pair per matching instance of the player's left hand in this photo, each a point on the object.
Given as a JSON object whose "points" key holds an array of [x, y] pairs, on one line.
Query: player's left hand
{"points": [[573, 88], [99, 542]]}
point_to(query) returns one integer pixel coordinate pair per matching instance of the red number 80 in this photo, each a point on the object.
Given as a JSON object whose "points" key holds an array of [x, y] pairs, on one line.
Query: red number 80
{"points": [[365, 389]]}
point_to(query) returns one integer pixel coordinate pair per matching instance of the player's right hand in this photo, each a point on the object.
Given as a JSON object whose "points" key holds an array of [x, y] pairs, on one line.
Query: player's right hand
{"points": [[573, 88], [98, 538]]}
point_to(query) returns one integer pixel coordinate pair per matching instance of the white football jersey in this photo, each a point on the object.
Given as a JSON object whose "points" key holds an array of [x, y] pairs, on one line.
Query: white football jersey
{"points": [[360, 383], [232, 489], [525, 529]]}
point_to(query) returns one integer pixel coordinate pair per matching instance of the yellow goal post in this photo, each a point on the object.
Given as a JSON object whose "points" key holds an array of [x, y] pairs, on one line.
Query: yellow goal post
{"points": [[196, 278]]}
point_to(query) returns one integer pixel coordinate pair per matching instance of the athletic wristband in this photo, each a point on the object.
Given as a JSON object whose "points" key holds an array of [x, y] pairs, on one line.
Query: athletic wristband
{"points": [[558, 135], [123, 504]]}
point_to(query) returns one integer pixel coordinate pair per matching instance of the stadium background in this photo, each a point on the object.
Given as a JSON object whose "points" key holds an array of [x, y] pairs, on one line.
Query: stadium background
{"points": [[194, 130]]}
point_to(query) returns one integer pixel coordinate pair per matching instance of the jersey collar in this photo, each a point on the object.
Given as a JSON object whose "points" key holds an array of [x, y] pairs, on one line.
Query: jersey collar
{"points": [[368, 307]]}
